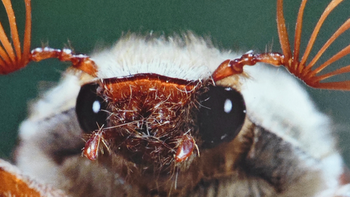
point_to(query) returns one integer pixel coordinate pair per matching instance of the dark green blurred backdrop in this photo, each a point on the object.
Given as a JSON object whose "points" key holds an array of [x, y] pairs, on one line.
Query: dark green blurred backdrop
{"points": [[235, 24]]}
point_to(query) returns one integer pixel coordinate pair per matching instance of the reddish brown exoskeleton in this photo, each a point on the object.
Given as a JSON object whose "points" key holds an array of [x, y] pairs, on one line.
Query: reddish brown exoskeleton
{"points": [[159, 127]]}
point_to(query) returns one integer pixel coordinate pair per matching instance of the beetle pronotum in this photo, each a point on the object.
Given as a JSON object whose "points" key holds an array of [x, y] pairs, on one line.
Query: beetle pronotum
{"points": [[142, 147]]}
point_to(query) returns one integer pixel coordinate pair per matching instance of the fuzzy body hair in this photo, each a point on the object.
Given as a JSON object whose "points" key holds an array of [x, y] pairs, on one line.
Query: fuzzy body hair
{"points": [[285, 147]]}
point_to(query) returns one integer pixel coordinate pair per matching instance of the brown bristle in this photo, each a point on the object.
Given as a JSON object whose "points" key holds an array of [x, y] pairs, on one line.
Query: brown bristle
{"points": [[148, 111]]}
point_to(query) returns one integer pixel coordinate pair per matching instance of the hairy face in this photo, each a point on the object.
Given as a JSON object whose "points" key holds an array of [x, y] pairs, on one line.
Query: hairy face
{"points": [[157, 122], [150, 126]]}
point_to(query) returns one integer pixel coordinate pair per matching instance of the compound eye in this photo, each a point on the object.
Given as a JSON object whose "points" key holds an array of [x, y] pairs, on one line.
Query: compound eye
{"points": [[221, 115], [90, 108]]}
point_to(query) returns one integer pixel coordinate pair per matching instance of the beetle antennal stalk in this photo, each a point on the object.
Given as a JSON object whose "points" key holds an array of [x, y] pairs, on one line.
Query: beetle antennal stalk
{"points": [[291, 61], [12, 58]]}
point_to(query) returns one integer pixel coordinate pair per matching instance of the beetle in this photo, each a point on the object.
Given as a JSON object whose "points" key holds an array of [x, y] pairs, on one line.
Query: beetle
{"points": [[184, 142]]}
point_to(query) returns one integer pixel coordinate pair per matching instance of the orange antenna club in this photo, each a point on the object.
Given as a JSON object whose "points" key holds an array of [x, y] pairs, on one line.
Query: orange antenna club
{"points": [[12, 58], [291, 61]]}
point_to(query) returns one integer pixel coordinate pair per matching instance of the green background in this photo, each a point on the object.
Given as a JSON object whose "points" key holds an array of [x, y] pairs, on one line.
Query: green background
{"points": [[236, 24]]}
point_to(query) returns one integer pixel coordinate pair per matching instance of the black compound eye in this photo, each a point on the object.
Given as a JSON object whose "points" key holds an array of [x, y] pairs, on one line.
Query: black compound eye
{"points": [[221, 115], [90, 108]]}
